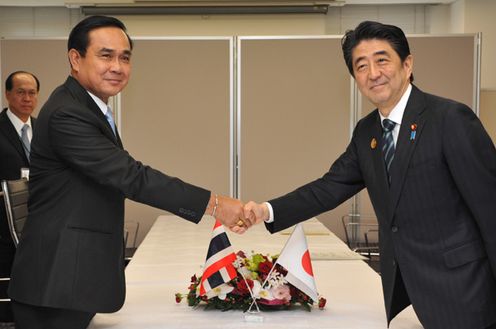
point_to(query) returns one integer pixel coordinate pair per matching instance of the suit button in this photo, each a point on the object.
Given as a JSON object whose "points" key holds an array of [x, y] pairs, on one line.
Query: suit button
{"points": [[394, 229], [394, 262]]}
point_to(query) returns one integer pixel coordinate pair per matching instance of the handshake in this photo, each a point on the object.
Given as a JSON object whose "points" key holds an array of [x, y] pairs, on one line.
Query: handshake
{"points": [[235, 215]]}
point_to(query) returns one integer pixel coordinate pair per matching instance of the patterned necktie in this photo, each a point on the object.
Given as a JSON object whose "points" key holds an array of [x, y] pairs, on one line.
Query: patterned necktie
{"points": [[25, 140], [388, 144], [110, 119]]}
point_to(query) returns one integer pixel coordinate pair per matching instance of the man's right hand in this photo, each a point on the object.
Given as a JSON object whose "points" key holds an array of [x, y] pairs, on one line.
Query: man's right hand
{"points": [[256, 212]]}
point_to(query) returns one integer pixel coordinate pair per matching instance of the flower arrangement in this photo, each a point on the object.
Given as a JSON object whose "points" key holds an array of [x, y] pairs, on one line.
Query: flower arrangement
{"points": [[254, 271]]}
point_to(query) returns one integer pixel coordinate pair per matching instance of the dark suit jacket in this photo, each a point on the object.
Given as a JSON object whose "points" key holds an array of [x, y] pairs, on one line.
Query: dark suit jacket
{"points": [[13, 159], [71, 251], [437, 219]]}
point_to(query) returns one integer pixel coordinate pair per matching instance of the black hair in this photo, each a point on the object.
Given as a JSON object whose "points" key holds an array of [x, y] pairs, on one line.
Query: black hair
{"points": [[78, 38], [369, 30], [9, 83]]}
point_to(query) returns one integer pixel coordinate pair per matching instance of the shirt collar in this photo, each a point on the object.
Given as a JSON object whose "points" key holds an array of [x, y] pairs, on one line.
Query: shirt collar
{"points": [[101, 104], [396, 114], [18, 123]]}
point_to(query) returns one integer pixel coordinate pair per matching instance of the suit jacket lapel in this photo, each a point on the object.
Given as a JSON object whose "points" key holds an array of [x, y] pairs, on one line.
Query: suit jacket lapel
{"points": [[406, 144], [118, 137], [82, 96], [8, 129]]}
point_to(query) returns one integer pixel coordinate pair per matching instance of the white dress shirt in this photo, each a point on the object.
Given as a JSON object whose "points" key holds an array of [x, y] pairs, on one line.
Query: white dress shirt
{"points": [[396, 114], [18, 124], [101, 104]]}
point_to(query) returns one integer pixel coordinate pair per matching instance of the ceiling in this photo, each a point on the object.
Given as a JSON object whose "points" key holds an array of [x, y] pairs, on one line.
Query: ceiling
{"points": [[77, 3]]}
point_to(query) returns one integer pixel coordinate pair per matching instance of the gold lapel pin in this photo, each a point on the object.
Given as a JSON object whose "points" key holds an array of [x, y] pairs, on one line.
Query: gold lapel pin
{"points": [[373, 143]]}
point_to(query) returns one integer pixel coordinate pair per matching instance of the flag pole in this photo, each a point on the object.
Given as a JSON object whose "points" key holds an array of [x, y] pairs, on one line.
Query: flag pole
{"points": [[251, 294], [273, 266], [263, 285]]}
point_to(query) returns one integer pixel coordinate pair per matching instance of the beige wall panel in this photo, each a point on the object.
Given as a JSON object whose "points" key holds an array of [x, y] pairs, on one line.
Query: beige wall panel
{"points": [[175, 114], [295, 114], [47, 59], [488, 112], [479, 17], [444, 66]]}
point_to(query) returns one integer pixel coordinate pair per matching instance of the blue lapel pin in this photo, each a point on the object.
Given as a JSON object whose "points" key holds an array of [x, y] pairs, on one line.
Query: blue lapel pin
{"points": [[413, 131]]}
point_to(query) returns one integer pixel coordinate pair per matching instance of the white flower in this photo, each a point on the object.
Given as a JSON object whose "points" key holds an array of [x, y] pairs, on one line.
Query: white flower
{"points": [[276, 279], [246, 273], [265, 294], [239, 262], [256, 288], [220, 291], [260, 292]]}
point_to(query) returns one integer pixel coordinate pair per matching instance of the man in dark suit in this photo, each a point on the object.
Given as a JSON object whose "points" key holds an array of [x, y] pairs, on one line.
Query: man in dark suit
{"points": [[21, 92], [70, 260], [430, 172]]}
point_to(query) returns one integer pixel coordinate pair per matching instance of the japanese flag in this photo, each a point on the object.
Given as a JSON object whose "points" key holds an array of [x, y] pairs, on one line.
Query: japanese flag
{"points": [[295, 258]]}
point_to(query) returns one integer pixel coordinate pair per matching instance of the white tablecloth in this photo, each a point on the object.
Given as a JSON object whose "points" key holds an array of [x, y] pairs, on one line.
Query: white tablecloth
{"points": [[175, 249]]}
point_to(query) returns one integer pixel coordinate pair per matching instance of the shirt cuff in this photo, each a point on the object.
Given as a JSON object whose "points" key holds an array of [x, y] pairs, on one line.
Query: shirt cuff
{"points": [[271, 213]]}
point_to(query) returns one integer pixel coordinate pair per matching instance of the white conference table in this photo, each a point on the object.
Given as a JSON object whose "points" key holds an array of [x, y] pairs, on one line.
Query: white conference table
{"points": [[175, 249]]}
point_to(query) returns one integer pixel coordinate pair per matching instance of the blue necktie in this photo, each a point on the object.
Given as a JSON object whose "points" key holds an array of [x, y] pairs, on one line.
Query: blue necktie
{"points": [[110, 119], [388, 144], [25, 140]]}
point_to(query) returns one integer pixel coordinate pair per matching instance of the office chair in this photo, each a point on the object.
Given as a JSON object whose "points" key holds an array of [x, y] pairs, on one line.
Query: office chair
{"points": [[362, 236], [15, 196], [4, 280], [16, 204], [130, 227]]}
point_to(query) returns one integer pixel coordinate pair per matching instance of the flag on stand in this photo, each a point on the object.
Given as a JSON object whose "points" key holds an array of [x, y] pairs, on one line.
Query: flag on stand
{"points": [[295, 258], [219, 266]]}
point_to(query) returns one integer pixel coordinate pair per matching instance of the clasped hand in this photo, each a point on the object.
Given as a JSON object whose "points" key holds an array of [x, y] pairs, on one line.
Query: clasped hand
{"points": [[238, 217]]}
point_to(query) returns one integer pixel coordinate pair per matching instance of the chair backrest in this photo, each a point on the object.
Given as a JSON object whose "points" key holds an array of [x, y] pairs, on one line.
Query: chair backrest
{"points": [[361, 231], [131, 228], [16, 195]]}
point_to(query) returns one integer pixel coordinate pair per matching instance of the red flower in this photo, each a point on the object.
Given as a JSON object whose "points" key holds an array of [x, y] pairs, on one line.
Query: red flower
{"points": [[193, 278], [179, 297], [241, 288], [265, 267], [322, 303]]}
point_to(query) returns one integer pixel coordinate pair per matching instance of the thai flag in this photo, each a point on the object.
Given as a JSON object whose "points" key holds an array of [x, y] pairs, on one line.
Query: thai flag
{"points": [[219, 266]]}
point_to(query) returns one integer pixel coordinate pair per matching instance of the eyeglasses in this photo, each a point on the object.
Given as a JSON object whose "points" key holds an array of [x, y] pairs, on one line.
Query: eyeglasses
{"points": [[24, 93]]}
